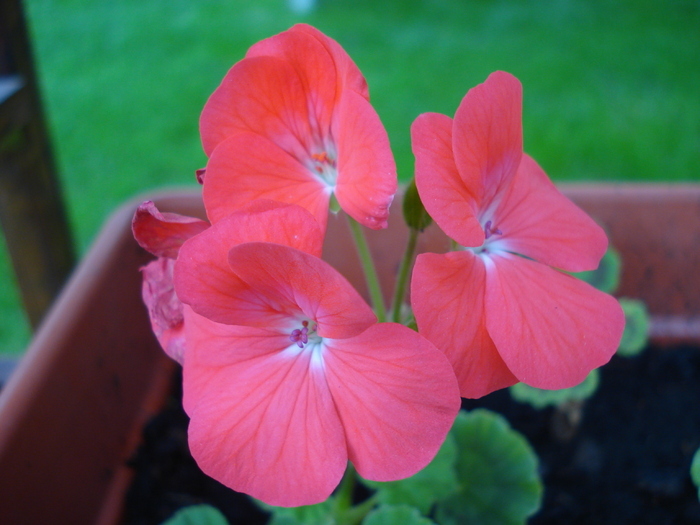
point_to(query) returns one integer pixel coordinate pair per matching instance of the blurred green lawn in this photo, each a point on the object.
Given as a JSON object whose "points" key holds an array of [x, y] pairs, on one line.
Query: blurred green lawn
{"points": [[612, 88]]}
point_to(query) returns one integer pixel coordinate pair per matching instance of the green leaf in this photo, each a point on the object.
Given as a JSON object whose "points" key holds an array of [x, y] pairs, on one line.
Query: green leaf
{"points": [[319, 514], [636, 334], [413, 210], [396, 515], [497, 470], [197, 515], [539, 398], [695, 470], [607, 276], [436, 481]]}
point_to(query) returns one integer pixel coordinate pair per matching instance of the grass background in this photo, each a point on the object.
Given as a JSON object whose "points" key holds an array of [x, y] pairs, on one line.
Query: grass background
{"points": [[612, 88]]}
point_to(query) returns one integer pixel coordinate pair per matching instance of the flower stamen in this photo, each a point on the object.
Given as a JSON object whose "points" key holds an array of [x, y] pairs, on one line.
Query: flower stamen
{"points": [[489, 231], [300, 336], [322, 160]]}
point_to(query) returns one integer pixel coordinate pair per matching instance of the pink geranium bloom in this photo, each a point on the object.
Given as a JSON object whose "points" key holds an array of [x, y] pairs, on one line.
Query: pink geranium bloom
{"points": [[162, 234], [292, 122], [288, 375], [499, 306]]}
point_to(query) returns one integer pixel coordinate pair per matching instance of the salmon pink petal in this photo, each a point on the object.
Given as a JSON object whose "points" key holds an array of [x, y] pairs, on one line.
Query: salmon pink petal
{"points": [[162, 234], [313, 64], [539, 222], [204, 280], [488, 136], [447, 199], [164, 307], [282, 46], [550, 328], [248, 166], [397, 398], [366, 181], [286, 276], [349, 75], [447, 295], [263, 95], [203, 277], [262, 421], [266, 220], [257, 340]]}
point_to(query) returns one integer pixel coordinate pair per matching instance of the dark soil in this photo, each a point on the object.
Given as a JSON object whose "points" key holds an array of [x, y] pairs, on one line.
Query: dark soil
{"points": [[621, 458], [628, 461]]}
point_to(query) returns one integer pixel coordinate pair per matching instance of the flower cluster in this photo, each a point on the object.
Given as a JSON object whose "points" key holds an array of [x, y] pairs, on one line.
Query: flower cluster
{"points": [[288, 374]]}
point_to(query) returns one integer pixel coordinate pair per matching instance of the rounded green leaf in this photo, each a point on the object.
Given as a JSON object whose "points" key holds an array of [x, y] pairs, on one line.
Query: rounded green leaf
{"points": [[695, 470], [396, 515], [197, 515], [539, 398], [607, 276], [436, 481], [497, 471], [636, 334]]}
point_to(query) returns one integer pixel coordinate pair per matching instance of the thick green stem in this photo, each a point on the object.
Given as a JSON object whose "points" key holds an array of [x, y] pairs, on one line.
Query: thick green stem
{"points": [[406, 262], [375, 291]]}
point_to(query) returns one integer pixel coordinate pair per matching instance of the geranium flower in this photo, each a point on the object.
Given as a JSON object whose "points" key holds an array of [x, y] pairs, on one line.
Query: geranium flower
{"points": [[292, 122], [288, 375], [162, 234], [499, 306]]}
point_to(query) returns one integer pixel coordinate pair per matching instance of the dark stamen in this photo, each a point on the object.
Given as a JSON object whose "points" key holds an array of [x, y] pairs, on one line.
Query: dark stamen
{"points": [[488, 232]]}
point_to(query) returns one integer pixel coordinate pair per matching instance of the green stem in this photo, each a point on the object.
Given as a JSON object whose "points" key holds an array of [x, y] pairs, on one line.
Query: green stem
{"points": [[356, 514], [345, 513], [406, 262], [375, 291], [343, 496]]}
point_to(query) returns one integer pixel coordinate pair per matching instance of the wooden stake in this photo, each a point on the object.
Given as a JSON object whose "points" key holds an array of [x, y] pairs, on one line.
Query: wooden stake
{"points": [[31, 209]]}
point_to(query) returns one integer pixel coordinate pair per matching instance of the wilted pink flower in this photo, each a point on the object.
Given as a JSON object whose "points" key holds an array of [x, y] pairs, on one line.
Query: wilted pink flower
{"points": [[162, 234], [499, 306], [292, 122], [288, 375]]}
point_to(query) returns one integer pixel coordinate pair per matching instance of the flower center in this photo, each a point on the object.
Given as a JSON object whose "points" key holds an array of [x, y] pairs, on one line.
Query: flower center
{"points": [[324, 165], [489, 230], [300, 336], [322, 159]]}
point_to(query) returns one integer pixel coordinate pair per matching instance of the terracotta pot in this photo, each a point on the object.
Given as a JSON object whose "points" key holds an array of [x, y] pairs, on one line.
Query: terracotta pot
{"points": [[71, 415]]}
